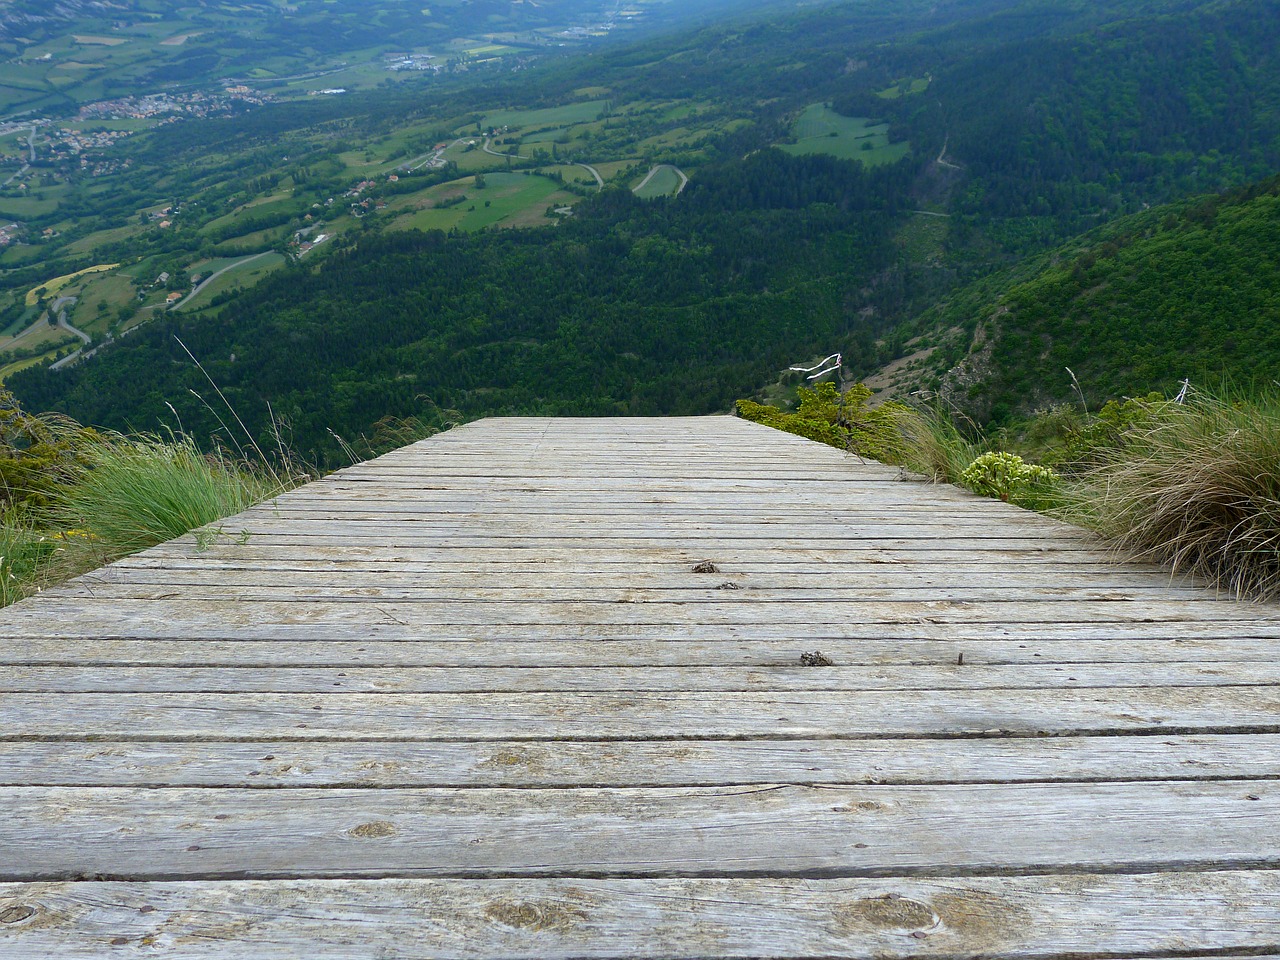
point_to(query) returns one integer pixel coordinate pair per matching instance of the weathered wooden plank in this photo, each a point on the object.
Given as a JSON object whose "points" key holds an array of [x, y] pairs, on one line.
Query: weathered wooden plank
{"points": [[858, 642], [598, 716], [529, 650], [289, 590], [669, 556], [793, 676], [739, 830], [540, 575], [508, 763], [1073, 915], [426, 526], [652, 524], [729, 608], [368, 503]]}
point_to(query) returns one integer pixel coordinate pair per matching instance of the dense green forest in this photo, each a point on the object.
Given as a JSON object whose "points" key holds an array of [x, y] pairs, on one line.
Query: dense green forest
{"points": [[1020, 126], [633, 307], [1190, 290]]}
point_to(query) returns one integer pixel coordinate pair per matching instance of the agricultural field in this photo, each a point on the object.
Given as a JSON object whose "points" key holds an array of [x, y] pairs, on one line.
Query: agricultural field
{"points": [[37, 203], [661, 181], [237, 278], [507, 200], [820, 129], [904, 88], [550, 118], [55, 287]]}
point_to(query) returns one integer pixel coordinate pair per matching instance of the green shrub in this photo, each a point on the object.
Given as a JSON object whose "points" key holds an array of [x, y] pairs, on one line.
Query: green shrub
{"points": [[1110, 428], [838, 419], [1007, 477]]}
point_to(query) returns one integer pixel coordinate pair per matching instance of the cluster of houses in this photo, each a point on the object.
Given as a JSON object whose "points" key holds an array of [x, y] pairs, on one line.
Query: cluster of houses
{"points": [[159, 104], [413, 61]]}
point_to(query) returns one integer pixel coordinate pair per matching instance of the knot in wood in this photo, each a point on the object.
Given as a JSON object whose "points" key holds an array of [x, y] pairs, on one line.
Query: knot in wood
{"points": [[17, 913]]}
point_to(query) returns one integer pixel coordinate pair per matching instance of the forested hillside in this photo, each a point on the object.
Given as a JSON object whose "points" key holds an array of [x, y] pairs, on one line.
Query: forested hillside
{"points": [[633, 307], [932, 156], [1191, 290]]}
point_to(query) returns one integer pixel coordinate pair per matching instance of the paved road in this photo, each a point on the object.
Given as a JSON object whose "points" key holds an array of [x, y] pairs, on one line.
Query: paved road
{"points": [[31, 144], [59, 309], [595, 173], [486, 147]]}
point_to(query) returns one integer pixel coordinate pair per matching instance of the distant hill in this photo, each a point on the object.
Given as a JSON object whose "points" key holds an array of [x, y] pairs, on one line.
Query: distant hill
{"points": [[1190, 290]]}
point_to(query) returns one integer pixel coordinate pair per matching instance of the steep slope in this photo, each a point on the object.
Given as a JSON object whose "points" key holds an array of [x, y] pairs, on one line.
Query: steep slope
{"points": [[1189, 290]]}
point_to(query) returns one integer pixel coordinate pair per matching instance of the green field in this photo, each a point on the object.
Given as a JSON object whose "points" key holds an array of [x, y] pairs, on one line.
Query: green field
{"points": [[471, 159], [86, 245], [245, 276], [664, 182], [38, 203], [514, 199], [821, 130], [565, 116], [904, 88]]}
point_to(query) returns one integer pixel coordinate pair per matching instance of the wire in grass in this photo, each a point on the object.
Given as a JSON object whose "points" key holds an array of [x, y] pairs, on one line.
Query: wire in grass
{"points": [[221, 396]]}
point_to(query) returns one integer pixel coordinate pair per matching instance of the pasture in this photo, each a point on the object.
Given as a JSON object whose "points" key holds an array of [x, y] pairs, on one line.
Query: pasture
{"points": [[821, 130], [904, 88], [513, 199], [661, 182], [51, 288], [566, 116]]}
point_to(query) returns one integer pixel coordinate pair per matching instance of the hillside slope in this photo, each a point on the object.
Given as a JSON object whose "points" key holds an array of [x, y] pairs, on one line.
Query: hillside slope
{"points": [[1188, 290]]}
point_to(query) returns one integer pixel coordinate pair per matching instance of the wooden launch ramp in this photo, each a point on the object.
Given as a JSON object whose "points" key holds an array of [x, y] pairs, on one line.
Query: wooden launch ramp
{"points": [[533, 688]]}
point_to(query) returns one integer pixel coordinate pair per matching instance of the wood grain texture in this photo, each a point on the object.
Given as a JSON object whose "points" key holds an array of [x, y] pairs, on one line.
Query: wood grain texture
{"points": [[626, 716], [473, 699], [733, 830], [566, 763], [896, 918]]}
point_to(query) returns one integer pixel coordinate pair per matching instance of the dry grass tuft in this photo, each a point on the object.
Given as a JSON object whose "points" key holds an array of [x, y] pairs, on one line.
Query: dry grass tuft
{"points": [[1197, 489]]}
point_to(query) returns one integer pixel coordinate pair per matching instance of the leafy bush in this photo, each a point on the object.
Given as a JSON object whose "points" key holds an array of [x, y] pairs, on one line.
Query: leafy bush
{"points": [[1007, 476], [1110, 428], [838, 419]]}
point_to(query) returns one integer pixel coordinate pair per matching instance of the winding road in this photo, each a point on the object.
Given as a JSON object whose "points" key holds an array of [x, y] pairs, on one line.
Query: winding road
{"points": [[31, 145], [59, 310], [941, 161]]}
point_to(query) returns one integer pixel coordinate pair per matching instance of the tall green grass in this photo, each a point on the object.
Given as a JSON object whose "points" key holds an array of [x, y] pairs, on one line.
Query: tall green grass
{"points": [[72, 499], [23, 549], [935, 446], [141, 491]]}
